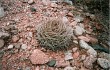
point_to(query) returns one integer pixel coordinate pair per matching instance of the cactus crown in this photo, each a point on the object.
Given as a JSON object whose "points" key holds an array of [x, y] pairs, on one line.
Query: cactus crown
{"points": [[54, 35]]}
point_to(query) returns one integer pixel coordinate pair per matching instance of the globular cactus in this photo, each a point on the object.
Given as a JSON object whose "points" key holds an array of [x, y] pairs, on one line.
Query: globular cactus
{"points": [[54, 35]]}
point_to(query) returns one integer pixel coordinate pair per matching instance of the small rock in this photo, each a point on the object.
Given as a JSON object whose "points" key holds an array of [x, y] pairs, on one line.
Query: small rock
{"points": [[68, 55], [50, 68], [88, 63], [27, 68], [75, 41], [78, 30], [38, 57], [2, 13], [70, 14], [84, 38], [17, 45], [104, 63], [30, 34], [104, 55], [69, 68], [46, 2], [84, 45], [52, 63], [91, 51], [92, 39], [75, 49], [10, 46], [32, 10], [43, 67], [62, 63], [68, 1], [65, 20], [83, 57], [4, 35], [76, 55], [37, 68], [23, 46], [78, 18], [1, 43], [54, 5], [15, 38], [73, 24], [30, 1]]}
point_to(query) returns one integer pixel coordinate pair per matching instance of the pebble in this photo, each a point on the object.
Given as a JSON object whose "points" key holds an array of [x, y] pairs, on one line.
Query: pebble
{"points": [[30, 1], [52, 63], [68, 1], [2, 13], [70, 14], [62, 63], [84, 45], [65, 20], [17, 45], [76, 55], [37, 68], [38, 57], [10, 46], [104, 55], [84, 38], [15, 38], [83, 57], [69, 68], [1, 43], [30, 34], [91, 51], [68, 55], [46, 2], [104, 63], [4, 35], [75, 49], [23, 46], [78, 18], [78, 30], [27, 68], [54, 5], [88, 62]]}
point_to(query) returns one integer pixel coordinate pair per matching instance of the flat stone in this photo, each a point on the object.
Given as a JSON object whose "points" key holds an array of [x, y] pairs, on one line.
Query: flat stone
{"points": [[104, 63], [38, 57]]}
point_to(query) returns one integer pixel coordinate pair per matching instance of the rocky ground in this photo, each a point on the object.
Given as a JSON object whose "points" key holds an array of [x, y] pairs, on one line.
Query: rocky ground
{"points": [[19, 49]]}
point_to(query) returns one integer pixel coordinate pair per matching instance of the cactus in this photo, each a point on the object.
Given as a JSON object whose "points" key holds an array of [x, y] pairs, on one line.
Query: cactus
{"points": [[54, 34]]}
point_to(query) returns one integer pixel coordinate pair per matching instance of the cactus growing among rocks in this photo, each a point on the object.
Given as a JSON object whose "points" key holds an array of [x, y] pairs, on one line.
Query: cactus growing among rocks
{"points": [[54, 34]]}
